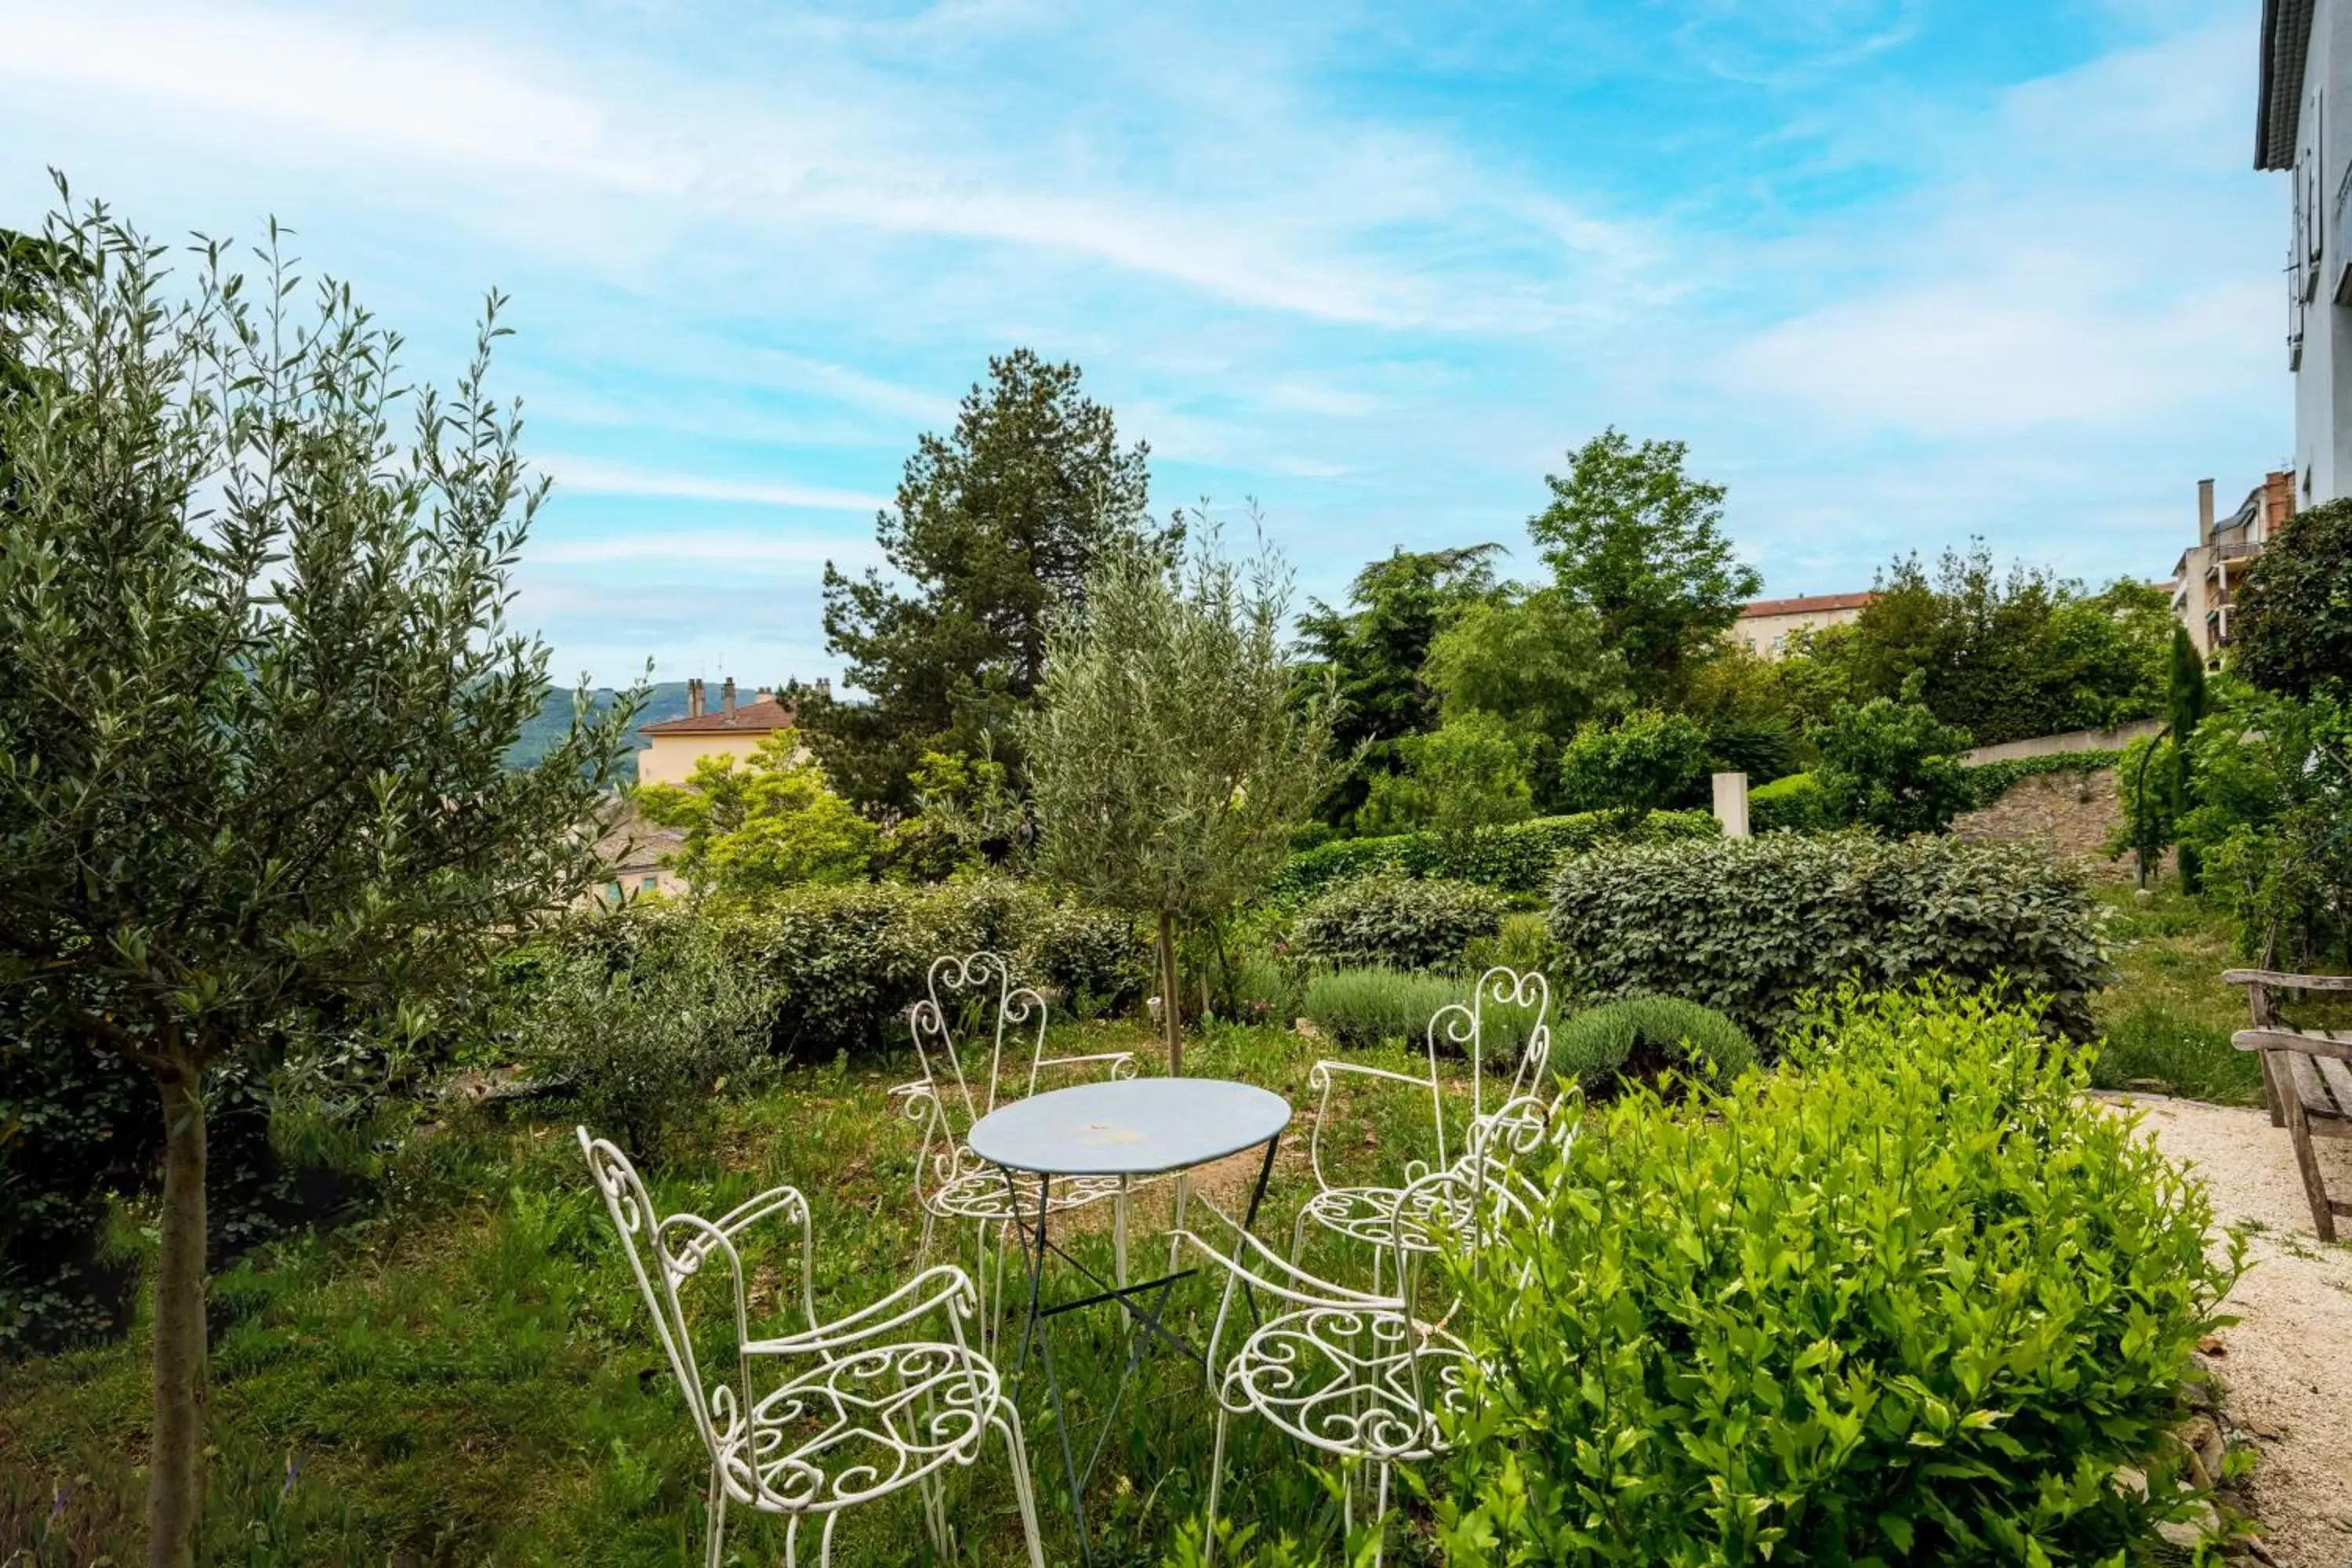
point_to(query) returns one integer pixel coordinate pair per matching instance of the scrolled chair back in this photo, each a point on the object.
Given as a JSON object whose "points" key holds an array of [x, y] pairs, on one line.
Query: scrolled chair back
{"points": [[1463, 1025], [965, 1076], [666, 1255]]}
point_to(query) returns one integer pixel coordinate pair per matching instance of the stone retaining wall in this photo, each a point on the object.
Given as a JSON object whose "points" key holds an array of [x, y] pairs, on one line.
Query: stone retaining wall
{"points": [[2071, 815]]}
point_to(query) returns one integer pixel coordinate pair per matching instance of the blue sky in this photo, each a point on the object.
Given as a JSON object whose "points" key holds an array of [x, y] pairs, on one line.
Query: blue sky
{"points": [[1900, 271]]}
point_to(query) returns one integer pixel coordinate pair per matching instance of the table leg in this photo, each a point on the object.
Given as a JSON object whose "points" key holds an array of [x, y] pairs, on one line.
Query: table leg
{"points": [[1249, 1219]]}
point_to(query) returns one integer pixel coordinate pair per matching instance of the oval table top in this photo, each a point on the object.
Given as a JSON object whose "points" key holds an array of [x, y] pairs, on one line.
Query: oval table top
{"points": [[1130, 1127]]}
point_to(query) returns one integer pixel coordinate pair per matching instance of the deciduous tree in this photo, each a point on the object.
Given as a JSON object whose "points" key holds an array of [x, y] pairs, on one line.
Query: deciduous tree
{"points": [[256, 681], [2293, 628], [1170, 757]]}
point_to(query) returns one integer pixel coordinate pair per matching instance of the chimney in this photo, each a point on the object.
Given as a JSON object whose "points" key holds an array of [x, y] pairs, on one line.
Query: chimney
{"points": [[726, 694], [694, 698], [764, 695], [2204, 511], [825, 687]]}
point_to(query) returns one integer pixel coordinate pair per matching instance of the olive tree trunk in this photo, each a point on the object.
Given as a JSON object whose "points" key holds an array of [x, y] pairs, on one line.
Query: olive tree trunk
{"points": [[175, 1486], [1171, 1001]]}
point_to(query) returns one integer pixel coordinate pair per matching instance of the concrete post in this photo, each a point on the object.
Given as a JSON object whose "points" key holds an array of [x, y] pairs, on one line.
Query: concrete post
{"points": [[1731, 803]]}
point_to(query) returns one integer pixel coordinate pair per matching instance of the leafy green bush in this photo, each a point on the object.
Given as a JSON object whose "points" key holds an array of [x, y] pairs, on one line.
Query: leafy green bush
{"points": [[1746, 925], [1793, 804], [647, 1032], [1908, 1299], [1358, 1008], [1518, 859], [1523, 943], [1649, 761], [1892, 765], [1399, 923], [1595, 1045], [1098, 960], [1762, 747]]}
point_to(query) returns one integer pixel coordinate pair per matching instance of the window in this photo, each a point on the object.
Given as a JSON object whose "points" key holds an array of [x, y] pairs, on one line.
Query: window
{"points": [[613, 893], [649, 884]]}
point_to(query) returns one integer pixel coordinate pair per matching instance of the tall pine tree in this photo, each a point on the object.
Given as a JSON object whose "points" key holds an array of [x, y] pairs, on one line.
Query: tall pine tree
{"points": [[995, 529]]}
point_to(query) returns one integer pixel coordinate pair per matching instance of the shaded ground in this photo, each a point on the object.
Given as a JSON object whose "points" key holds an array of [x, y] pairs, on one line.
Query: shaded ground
{"points": [[2286, 1366]]}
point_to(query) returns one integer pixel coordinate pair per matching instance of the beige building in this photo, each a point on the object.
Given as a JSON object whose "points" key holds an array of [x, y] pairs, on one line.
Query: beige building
{"points": [[1766, 625], [675, 745], [635, 855], [2205, 581]]}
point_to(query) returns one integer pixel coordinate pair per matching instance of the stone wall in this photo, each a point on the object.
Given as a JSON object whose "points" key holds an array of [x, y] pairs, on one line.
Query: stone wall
{"points": [[2071, 815]]}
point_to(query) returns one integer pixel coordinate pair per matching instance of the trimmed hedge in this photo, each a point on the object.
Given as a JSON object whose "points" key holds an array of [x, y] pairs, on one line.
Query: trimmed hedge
{"points": [[841, 964], [1910, 1299], [1592, 1047], [1749, 925], [1394, 922], [1518, 859], [1794, 805]]}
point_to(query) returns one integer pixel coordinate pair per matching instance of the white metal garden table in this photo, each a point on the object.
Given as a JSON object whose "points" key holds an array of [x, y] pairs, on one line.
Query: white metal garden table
{"points": [[1129, 1129]]}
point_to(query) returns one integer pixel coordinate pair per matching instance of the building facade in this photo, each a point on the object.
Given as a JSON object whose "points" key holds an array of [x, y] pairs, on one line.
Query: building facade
{"points": [[675, 745], [2205, 580], [2300, 129], [1766, 625]]}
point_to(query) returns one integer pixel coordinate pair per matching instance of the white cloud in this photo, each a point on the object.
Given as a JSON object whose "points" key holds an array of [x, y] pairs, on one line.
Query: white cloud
{"points": [[593, 476], [704, 548]]}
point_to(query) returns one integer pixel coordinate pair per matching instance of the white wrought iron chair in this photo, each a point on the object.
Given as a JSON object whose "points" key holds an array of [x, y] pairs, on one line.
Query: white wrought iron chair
{"points": [[960, 1085], [857, 1410], [1367, 1212], [1356, 1374]]}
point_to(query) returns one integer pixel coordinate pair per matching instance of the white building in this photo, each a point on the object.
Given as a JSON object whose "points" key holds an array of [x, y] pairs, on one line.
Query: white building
{"points": [[2303, 125]]}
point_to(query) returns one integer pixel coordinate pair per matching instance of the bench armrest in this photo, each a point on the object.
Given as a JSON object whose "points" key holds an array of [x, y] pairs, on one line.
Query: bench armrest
{"points": [[2274, 980], [2310, 1042]]}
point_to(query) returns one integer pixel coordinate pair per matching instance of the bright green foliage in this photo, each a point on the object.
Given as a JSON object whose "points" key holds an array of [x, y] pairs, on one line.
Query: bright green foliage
{"points": [[994, 532], [1592, 1048], [1514, 859], [1910, 1299], [1632, 539], [2273, 823], [645, 1027], [1988, 782], [2003, 657], [755, 826], [1374, 650], [1749, 925], [1537, 661], [1649, 761], [1468, 774], [1362, 1007], [1400, 922], [1171, 758], [1794, 804], [1890, 765], [2292, 629]]}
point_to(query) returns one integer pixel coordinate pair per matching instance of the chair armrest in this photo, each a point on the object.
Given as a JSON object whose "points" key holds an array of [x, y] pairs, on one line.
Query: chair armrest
{"points": [[2275, 980], [1253, 1262], [943, 1285], [1323, 1069], [1118, 1061], [2336, 1042]]}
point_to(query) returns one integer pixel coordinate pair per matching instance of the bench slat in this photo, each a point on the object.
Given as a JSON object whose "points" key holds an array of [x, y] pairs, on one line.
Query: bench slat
{"points": [[2325, 1115], [2277, 981], [2338, 1079], [2336, 1042]]}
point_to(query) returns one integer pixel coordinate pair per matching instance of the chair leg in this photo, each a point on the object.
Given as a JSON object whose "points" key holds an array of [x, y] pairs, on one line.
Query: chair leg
{"points": [[792, 1542], [2270, 1089], [1297, 1237], [824, 1541], [1008, 1424], [1118, 1232], [1217, 1480], [1380, 1518], [1182, 1185], [714, 1521], [2315, 1185]]}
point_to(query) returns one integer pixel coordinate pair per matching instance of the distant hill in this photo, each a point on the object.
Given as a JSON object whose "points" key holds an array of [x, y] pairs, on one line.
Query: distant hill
{"points": [[541, 735]]}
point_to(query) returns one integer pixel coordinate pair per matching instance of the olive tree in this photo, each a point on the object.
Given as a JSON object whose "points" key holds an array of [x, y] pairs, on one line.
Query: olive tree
{"points": [[1172, 755], [257, 682]]}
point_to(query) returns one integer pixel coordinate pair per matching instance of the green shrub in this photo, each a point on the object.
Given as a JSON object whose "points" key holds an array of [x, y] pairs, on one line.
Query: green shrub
{"points": [[1518, 859], [1523, 943], [1908, 1299], [1399, 923], [1649, 761], [1359, 1007], [1592, 1047], [1793, 804], [1097, 960], [1892, 765], [646, 1035], [1747, 925]]}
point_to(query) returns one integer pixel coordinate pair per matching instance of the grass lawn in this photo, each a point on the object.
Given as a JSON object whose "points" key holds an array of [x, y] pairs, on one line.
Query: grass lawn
{"points": [[2168, 1018], [467, 1377]]}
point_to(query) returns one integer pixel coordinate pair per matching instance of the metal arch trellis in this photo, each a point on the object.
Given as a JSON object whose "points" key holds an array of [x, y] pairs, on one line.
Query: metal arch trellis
{"points": [[1367, 1213], [867, 1414], [960, 1085]]}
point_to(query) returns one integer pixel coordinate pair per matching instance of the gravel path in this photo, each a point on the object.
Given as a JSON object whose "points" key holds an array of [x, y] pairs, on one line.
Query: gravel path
{"points": [[2286, 1366]]}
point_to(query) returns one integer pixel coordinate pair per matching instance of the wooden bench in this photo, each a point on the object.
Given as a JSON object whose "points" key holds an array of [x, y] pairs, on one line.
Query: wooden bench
{"points": [[2306, 1077]]}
